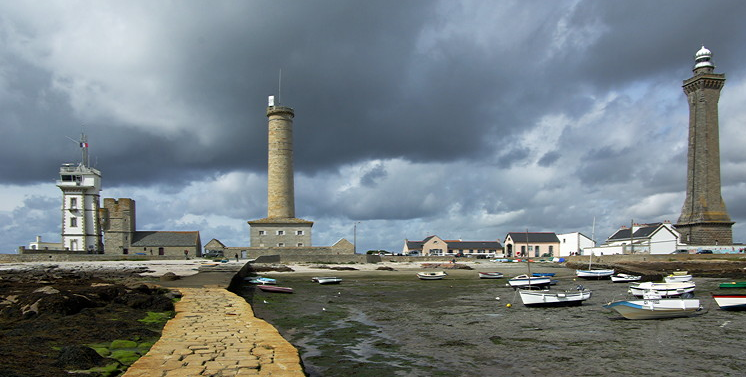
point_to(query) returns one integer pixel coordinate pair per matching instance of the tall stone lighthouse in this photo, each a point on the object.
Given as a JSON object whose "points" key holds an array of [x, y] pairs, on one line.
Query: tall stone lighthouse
{"points": [[280, 229], [704, 219]]}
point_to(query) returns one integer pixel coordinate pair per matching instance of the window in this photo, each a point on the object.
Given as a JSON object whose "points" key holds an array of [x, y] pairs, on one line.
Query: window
{"points": [[73, 222], [300, 244], [281, 244], [298, 232], [262, 232], [73, 203], [280, 232], [125, 251]]}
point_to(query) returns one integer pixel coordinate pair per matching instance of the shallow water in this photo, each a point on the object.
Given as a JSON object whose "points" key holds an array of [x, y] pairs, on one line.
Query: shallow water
{"points": [[390, 323]]}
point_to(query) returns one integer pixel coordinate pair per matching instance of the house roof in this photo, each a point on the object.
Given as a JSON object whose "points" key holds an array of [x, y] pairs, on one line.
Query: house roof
{"points": [[545, 237], [474, 245], [164, 238], [415, 245], [644, 231]]}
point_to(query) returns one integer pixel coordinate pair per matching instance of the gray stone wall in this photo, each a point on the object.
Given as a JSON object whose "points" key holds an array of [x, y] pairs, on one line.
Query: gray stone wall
{"points": [[118, 220], [289, 236]]}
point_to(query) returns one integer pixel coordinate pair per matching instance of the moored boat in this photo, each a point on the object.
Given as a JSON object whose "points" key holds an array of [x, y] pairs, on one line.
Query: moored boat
{"points": [[625, 278], [662, 289], [490, 275], [526, 281], [262, 280], [437, 275], [326, 280], [733, 284], [653, 306], [594, 274], [556, 298], [274, 288], [674, 278], [730, 301], [540, 274]]}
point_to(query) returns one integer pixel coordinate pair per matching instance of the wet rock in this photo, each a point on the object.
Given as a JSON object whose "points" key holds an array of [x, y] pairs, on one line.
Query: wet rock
{"points": [[78, 357], [169, 276]]}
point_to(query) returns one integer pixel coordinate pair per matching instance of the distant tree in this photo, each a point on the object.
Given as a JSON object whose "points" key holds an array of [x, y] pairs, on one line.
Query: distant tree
{"points": [[376, 252]]}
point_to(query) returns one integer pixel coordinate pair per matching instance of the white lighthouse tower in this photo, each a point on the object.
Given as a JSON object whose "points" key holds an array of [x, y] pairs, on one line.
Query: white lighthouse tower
{"points": [[80, 185]]}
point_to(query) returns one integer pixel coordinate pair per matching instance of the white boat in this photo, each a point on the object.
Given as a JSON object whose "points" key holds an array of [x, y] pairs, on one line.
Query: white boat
{"points": [[662, 289], [594, 274], [653, 306], [625, 278], [326, 280], [677, 278], [556, 298], [490, 275], [432, 275], [527, 281], [730, 301]]}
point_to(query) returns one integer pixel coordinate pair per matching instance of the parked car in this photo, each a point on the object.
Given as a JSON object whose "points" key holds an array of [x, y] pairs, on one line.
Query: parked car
{"points": [[681, 252], [213, 254], [704, 252]]}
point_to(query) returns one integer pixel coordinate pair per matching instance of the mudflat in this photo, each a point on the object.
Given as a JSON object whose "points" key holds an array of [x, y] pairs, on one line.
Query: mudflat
{"points": [[391, 323]]}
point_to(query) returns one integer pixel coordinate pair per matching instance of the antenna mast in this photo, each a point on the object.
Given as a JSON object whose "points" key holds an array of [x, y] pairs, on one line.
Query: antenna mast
{"points": [[279, 88]]}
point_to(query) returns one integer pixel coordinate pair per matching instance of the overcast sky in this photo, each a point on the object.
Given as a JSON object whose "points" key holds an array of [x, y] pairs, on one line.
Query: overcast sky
{"points": [[463, 119]]}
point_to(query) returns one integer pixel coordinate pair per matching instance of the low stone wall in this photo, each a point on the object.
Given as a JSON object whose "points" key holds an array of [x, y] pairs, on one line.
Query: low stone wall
{"points": [[619, 258], [58, 257]]}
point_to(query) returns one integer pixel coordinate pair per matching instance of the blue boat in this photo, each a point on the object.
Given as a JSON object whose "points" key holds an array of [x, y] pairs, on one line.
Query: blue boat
{"points": [[543, 274]]}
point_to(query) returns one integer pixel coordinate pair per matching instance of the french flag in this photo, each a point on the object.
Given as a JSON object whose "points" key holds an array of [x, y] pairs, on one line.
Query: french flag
{"points": [[84, 145]]}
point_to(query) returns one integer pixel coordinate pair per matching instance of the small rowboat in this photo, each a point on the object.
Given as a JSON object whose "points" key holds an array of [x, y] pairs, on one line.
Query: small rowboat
{"points": [[326, 280], [730, 301], [625, 278], [542, 274], [263, 280], [662, 289], [529, 282], [559, 298], [733, 284], [594, 274], [490, 275], [676, 278], [653, 306], [431, 275], [275, 289]]}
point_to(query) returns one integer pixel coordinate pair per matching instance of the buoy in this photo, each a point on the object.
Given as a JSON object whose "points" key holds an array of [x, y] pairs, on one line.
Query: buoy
{"points": [[508, 305], [497, 298]]}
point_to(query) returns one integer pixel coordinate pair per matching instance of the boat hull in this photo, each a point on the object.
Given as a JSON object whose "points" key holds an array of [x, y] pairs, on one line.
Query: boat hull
{"points": [[730, 301], [524, 281], [734, 284], [490, 275], [624, 278], [552, 299], [677, 278], [327, 280], [655, 308], [275, 289], [431, 275], [594, 274], [662, 289]]}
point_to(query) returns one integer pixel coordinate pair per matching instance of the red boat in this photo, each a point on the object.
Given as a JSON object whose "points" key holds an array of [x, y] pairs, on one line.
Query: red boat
{"points": [[274, 288]]}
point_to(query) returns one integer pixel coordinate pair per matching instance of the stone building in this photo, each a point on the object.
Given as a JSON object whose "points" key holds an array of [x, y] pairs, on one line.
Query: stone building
{"points": [[436, 246], [121, 235], [531, 245], [704, 219]]}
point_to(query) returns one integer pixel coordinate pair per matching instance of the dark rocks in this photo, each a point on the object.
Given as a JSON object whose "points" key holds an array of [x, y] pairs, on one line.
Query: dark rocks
{"points": [[78, 357], [169, 276]]}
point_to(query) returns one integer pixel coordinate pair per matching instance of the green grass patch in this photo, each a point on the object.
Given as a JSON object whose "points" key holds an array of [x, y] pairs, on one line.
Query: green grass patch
{"points": [[157, 318]]}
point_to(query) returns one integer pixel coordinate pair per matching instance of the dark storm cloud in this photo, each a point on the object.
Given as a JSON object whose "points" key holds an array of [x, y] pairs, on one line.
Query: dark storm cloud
{"points": [[175, 93]]}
